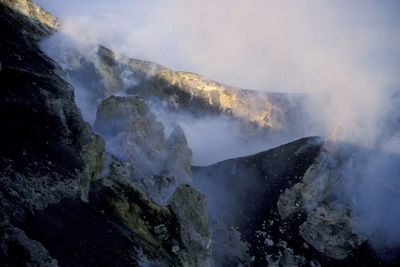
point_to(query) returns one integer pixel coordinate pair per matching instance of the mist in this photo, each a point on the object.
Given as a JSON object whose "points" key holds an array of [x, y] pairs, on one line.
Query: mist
{"points": [[345, 55]]}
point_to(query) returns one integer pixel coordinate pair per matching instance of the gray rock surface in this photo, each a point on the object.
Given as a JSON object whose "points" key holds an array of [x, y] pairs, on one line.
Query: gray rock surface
{"points": [[327, 227], [132, 133], [189, 205], [179, 156], [157, 165]]}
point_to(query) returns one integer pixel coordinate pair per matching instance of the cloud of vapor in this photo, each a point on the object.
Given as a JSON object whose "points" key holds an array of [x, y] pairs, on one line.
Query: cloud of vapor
{"points": [[345, 53]]}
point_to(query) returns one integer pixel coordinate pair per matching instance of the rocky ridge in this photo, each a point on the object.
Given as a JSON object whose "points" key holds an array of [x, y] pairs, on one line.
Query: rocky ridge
{"points": [[71, 197], [156, 164], [257, 114]]}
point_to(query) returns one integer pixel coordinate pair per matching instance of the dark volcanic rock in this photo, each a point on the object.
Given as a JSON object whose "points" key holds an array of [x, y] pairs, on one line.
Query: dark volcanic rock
{"points": [[281, 203], [249, 185], [48, 151], [50, 160], [242, 192]]}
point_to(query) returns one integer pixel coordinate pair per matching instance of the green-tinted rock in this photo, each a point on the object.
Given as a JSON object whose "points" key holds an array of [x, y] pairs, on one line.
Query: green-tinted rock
{"points": [[155, 228], [189, 205], [132, 132]]}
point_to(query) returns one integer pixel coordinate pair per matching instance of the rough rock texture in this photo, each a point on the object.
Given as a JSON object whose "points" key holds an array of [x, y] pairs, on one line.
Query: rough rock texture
{"points": [[54, 207], [154, 228], [281, 204], [59, 205], [37, 16], [119, 226], [48, 151], [157, 165], [315, 223], [129, 126], [243, 192], [189, 205], [327, 227]]}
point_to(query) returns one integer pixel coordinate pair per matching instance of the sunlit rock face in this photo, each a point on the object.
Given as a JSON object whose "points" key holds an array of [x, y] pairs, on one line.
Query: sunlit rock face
{"points": [[39, 17], [256, 108], [103, 73]]}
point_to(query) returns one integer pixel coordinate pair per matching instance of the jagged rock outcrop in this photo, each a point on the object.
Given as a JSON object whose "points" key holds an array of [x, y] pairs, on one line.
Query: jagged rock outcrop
{"points": [[56, 205], [179, 156], [155, 228], [317, 211], [133, 134], [61, 205]]}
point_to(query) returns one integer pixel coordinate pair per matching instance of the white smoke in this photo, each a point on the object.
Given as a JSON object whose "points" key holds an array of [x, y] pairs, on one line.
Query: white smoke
{"points": [[345, 53]]}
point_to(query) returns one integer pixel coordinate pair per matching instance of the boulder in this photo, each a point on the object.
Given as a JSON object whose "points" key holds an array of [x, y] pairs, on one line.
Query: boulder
{"points": [[189, 206]]}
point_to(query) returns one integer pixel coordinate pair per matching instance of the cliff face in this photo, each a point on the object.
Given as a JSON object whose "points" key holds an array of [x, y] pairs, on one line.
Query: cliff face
{"points": [[41, 19], [59, 204], [44, 135]]}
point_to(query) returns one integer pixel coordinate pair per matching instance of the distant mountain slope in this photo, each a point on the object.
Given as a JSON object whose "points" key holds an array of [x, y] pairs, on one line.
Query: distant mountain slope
{"points": [[104, 73]]}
